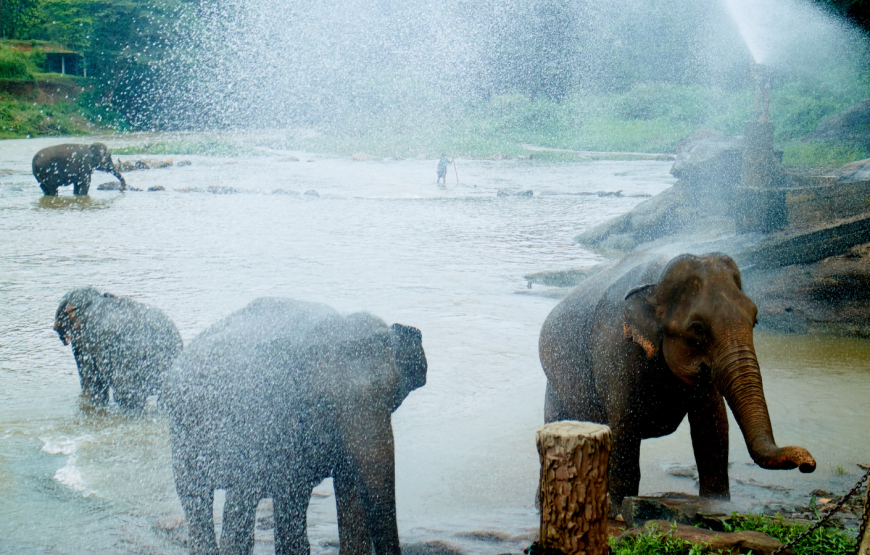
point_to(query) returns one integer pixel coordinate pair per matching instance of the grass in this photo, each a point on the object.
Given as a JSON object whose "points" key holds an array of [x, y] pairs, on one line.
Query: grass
{"points": [[822, 155], [824, 541], [207, 147], [20, 120]]}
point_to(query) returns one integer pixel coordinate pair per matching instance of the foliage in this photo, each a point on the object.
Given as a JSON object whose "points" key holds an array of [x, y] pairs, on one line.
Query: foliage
{"points": [[824, 541], [19, 18], [25, 119], [13, 64], [656, 543], [822, 155]]}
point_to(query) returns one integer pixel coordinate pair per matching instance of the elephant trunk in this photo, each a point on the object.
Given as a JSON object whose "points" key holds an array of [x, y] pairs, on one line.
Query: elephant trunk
{"points": [[737, 376]]}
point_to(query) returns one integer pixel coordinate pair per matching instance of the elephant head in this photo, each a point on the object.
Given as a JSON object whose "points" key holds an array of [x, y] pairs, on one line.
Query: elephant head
{"points": [[68, 317], [699, 320], [101, 159]]}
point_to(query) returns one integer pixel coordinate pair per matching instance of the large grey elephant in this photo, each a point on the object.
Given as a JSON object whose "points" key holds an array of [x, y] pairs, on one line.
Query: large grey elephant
{"points": [[278, 396], [72, 164], [648, 341], [118, 343]]}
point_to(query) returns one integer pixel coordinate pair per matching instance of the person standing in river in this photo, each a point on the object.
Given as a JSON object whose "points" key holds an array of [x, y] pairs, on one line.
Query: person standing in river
{"points": [[442, 169]]}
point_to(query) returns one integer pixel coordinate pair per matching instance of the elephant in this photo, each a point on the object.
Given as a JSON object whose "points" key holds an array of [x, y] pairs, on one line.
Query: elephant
{"points": [[118, 343], [72, 164], [277, 397], [648, 341]]}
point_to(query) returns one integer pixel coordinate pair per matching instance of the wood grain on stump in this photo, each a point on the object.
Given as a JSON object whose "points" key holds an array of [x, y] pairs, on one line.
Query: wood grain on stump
{"points": [[574, 488]]}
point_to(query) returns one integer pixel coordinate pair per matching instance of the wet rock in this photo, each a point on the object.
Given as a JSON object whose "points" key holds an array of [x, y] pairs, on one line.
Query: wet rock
{"points": [[564, 278], [157, 188], [142, 164], [709, 157], [609, 193], [683, 471], [182, 163], [732, 542], [221, 190], [757, 484], [4, 173], [431, 548], [291, 159], [853, 173], [188, 190], [676, 507], [505, 193], [312, 193], [851, 126], [488, 536], [110, 186], [123, 166], [285, 192]]}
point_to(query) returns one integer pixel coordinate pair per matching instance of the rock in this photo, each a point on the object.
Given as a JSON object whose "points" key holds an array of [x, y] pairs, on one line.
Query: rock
{"points": [[732, 542], [157, 188], [609, 193], [435, 547], [4, 173], [221, 190], [110, 186], [285, 192], [188, 190], [169, 523], [564, 278], [183, 163], [505, 193], [312, 193], [676, 507], [852, 125], [122, 166], [684, 471], [854, 172], [361, 157], [291, 159], [710, 159]]}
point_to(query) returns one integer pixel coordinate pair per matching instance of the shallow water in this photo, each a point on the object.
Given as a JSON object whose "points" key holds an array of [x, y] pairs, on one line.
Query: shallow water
{"points": [[382, 238]]}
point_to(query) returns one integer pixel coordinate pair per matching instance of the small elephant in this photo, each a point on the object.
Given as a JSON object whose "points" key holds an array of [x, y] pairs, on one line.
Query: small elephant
{"points": [[278, 396], [642, 344], [72, 164], [118, 343]]}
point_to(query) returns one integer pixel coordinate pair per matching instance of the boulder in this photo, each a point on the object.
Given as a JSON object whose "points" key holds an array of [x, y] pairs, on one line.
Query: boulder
{"points": [[182, 163], [710, 159], [157, 188], [676, 507], [285, 192], [716, 542], [312, 193], [221, 190], [851, 126], [506, 193], [854, 173], [187, 189]]}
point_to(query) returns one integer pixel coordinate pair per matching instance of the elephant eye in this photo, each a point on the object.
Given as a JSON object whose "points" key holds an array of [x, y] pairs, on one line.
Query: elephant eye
{"points": [[697, 328]]}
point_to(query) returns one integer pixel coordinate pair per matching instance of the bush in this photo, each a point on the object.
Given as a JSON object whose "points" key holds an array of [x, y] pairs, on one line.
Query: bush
{"points": [[13, 64]]}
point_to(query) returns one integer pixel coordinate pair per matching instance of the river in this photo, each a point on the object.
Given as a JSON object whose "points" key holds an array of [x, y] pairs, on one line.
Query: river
{"points": [[380, 237]]}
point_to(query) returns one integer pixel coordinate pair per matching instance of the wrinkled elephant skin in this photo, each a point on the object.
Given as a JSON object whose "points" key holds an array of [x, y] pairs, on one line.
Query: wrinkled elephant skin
{"points": [[118, 344], [72, 164], [278, 396], [646, 342]]}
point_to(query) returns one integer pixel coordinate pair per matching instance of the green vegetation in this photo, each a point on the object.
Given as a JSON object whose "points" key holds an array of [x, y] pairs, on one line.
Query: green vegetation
{"points": [[824, 541]]}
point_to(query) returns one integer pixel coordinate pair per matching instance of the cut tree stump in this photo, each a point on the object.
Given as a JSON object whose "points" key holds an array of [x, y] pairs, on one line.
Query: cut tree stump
{"points": [[574, 487], [864, 545]]}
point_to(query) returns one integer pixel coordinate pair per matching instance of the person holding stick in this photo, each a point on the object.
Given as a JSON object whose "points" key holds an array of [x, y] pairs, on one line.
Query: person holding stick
{"points": [[442, 169]]}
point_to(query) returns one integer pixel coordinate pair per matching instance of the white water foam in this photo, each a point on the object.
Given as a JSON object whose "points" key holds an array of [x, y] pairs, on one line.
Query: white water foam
{"points": [[69, 475]]}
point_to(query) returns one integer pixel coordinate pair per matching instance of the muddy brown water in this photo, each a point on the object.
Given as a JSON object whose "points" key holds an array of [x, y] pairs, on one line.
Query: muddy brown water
{"points": [[383, 238]]}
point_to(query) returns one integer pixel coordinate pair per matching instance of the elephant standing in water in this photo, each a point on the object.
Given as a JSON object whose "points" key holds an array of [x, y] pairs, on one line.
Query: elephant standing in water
{"points": [[118, 343], [639, 346], [72, 164], [278, 396]]}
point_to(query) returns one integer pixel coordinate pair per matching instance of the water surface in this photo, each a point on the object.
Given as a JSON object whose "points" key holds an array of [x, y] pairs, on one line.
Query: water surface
{"points": [[381, 237]]}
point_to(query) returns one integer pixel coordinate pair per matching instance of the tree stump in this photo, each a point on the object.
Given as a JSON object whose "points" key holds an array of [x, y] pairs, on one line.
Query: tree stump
{"points": [[864, 543], [574, 487]]}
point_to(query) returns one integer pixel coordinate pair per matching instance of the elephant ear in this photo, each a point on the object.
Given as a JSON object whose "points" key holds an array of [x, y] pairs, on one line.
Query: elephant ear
{"points": [[640, 321], [410, 360]]}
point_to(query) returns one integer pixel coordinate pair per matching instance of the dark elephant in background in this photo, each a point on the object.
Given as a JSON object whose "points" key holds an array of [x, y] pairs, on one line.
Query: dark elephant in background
{"points": [[72, 164], [648, 341], [118, 343], [278, 396]]}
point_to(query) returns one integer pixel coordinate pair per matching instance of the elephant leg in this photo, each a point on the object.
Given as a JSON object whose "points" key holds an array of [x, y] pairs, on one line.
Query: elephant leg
{"points": [[353, 532], [708, 421], [367, 435], [198, 505], [83, 184], [195, 489], [237, 537], [90, 378], [624, 466], [290, 506], [130, 400]]}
